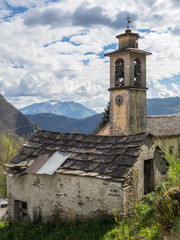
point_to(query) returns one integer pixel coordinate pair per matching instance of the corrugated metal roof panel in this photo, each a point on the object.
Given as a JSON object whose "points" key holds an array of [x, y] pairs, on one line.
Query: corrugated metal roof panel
{"points": [[54, 162]]}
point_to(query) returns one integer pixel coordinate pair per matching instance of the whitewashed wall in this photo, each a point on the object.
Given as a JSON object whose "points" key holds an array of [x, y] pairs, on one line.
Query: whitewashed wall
{"points": [[75, 197]]}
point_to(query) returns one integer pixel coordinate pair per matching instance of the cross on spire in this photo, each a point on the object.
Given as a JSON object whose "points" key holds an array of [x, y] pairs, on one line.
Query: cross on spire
{"points": [[128, 20]]}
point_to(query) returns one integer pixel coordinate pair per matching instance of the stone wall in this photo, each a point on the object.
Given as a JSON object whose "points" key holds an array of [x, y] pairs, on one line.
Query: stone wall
{"points": [[73, 197], [149, 151], [130, 192]]}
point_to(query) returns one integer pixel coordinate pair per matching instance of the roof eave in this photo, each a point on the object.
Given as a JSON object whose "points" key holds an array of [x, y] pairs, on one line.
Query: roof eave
{"points": [[136, 50]]}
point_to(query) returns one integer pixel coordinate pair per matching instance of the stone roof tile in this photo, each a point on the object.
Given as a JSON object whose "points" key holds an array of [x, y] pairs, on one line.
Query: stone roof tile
{"points": [[117, 151], [111, 167], [101, 168], [107, 157], [103, 158], [19, 158], [133, 144], [67, 163], [119, 172], [125, 160], [132, 152], [160, 126], [79, 165], [91, 167]]}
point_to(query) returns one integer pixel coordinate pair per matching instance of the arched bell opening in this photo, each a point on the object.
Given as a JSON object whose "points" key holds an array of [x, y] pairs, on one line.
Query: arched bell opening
{"points": [[119, 72], [137, 72]]}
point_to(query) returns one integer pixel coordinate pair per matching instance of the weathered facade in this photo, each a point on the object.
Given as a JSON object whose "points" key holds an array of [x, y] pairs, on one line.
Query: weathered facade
{"points": [[100, 174]]}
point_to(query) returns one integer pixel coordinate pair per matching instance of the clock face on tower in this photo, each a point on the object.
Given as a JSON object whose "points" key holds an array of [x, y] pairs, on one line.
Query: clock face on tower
{"points": [[119, 100]]}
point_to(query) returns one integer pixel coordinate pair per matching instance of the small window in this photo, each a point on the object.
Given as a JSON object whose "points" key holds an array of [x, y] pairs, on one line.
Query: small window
{"points": [[136, 44], [164, 165], [171, 150], [3, 206], [20, 210]]}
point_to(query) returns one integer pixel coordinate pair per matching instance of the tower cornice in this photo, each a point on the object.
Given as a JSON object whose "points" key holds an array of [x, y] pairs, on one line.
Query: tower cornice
{"points": [[127, 88], [136, 50]]}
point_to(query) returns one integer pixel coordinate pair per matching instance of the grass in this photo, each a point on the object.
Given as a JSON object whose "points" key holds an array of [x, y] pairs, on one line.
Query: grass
{"points": [[156, 216], [90, 230]]}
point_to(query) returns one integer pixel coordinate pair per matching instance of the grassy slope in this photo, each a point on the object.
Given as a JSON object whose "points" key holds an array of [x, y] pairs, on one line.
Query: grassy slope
{"points": [[90, 230]]}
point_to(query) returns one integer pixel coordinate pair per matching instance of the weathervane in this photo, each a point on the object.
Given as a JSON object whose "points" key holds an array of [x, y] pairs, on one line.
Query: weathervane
{"points": [[128, 20]]}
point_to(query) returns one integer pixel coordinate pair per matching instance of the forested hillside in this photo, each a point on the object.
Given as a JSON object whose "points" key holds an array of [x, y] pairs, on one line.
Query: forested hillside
{"points": [[13, 120], [63, 124], [163, 106]]}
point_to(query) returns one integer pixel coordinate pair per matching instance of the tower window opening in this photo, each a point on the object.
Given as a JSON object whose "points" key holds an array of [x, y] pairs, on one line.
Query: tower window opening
{"points": [[137, 72], [136, 44], [119, 72]]}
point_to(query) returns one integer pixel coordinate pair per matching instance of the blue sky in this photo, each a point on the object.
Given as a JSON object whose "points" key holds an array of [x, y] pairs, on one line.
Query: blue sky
{"points": [[55, 49]]}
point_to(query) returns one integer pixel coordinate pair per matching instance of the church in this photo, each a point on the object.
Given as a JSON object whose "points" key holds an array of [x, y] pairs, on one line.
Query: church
{"points": [[80, 176]]}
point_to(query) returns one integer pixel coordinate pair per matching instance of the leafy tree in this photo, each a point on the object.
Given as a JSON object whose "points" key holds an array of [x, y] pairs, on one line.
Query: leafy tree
{"points": [[9, 145], [104, 120]]}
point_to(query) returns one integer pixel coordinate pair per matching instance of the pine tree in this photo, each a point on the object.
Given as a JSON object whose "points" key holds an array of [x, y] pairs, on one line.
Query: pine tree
{"points": [[104, 120]]}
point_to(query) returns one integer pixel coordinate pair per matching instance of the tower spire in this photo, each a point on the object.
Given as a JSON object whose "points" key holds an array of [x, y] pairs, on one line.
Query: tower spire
{"points": [[128, 21]]}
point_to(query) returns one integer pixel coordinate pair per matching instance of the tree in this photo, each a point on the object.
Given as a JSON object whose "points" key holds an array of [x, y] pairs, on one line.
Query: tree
{"points": [[104, 120], [10, 143]]}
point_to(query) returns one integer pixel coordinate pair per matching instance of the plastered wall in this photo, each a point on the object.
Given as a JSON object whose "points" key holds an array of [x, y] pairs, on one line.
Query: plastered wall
{"points": [[74, 197]]}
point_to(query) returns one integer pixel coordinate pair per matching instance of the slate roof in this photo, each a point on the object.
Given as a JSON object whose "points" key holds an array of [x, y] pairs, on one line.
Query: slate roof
{"points": [[106, 157], [159, 126], [164, 125]]}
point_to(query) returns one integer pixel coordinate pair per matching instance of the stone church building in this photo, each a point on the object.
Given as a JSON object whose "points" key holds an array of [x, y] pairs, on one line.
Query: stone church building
{"points": [[82, 176]]}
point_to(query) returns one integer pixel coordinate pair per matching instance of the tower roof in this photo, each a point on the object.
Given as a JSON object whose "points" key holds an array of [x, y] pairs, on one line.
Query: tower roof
{"points": [[128, 32], [128, 42]]}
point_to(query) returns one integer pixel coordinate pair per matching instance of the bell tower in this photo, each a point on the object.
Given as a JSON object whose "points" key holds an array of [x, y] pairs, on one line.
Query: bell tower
{"points": [[127, 86]]}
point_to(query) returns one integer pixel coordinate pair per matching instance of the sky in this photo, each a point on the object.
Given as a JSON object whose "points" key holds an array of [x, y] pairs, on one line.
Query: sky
{"points": [[54, 49]]}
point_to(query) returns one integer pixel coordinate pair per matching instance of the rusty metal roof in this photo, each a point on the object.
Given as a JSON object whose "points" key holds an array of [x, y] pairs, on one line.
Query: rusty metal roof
{"points": [[107, 157], [43, 157], [53, 163]]}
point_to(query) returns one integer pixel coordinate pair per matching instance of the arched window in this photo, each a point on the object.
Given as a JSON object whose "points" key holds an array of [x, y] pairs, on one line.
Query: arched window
{"points": [[119, 72], [137, 72]]}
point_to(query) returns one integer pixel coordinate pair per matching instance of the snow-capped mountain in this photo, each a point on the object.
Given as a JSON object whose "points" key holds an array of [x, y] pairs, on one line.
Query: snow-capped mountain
{"points": [[69, 109]]}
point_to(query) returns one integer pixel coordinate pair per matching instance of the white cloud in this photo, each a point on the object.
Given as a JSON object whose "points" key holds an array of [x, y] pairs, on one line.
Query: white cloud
{"points": [[51, 51]]}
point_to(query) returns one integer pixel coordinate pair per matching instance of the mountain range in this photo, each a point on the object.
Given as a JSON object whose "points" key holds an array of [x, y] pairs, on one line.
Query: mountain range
{"points": [[69, 109], [53, 122], [56, 123], [163, 106], [81, 122]]}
